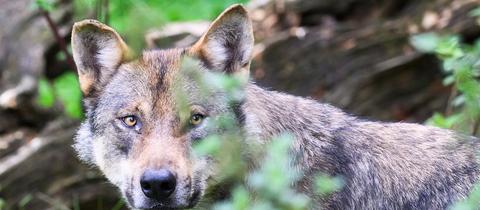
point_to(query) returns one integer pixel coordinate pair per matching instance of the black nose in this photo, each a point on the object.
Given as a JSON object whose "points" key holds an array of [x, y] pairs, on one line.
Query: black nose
{"points": [[158, 184]]}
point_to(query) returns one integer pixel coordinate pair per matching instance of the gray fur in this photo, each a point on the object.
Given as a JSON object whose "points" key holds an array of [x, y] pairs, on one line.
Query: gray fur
{"points": [[385, 165]]}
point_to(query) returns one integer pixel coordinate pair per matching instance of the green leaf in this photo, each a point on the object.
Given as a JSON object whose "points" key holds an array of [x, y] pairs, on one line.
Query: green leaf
{"points": [[326, 184], [475, 12], [46, 96], [120, 203], [47, 5], [241, 198], [450, 79], [2, 204], [25, 200], [60, 56], [68, 92], [449, 47], [459, 100], [426, 42], [208, 146], [449, 64], [439, 120]]}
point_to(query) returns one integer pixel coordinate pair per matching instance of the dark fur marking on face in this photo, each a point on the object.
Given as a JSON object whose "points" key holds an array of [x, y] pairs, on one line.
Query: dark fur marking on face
{"points": [[124, 143], [164, 64], [91, 118], [205, 61], [129, 191]]}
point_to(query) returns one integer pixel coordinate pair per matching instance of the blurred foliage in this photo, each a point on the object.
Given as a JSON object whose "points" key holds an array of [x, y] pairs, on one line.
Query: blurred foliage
{"points": [[24, 201], [269, 186], [133, 18], [66, 90], [461, 65], [47, 5], [46, 96]]}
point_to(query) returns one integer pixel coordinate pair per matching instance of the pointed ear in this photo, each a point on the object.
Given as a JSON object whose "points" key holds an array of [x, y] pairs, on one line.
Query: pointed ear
{"points": [[228, 43], [98, 51]]}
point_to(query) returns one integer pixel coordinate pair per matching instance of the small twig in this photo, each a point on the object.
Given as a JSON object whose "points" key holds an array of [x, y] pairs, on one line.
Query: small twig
{"points": [[57, 204], [476, 125], [59, 39], [451, 97], [98, 9], [106, 11]]}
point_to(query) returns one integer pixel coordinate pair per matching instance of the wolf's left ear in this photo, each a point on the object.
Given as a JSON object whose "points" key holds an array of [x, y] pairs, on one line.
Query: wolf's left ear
{"points": [[98, 51], [227, 45]]}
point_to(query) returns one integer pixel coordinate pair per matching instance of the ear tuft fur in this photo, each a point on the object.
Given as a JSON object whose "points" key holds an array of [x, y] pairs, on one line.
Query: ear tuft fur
{"points": [[227, 45], [98, 51]]}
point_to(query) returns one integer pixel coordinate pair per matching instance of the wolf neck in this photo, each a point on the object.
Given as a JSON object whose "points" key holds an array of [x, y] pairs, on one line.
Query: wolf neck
{"points": [[270, 113]]}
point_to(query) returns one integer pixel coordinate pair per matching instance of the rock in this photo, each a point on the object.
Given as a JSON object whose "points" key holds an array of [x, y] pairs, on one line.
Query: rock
{"points": [[44, 169], [172, 35], [368, 69]]}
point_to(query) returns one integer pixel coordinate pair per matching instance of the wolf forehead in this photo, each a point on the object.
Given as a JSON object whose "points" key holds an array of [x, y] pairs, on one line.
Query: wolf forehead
{"points": [[153, 71], [157, 67], [152, 80]]}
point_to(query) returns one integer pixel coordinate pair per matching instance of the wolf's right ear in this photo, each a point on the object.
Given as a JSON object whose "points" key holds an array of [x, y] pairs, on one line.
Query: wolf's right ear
{"points": [[98, 51]]}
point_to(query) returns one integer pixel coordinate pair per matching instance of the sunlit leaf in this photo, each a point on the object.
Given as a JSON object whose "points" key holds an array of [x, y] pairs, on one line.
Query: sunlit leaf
{"points": [[449, 47], [426, 42], [67, 90], [448, 80], [459, 100], [46, 96], [441, 121], [449, 64], [475, 12], [208, 146], [47, 5], [326, 184], [241, 198]]}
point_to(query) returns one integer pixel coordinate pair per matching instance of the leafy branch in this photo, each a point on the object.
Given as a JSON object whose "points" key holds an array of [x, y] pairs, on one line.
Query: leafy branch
{"points": [[45, 8]]}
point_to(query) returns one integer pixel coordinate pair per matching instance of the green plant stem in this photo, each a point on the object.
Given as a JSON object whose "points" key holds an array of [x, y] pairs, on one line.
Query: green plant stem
{"points": [[98, 9], [449, 108], [476, 125], [106, 11]]}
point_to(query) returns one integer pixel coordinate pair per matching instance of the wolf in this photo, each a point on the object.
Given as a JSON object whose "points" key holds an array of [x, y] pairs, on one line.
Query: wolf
{"points": [[133, 132]]}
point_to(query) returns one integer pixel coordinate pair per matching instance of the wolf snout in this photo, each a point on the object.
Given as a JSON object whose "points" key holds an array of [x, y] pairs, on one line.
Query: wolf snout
{"points": [[158, 184]]}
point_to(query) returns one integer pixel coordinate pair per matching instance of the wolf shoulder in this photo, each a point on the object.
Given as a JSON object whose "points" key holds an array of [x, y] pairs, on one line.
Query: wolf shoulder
{"points": [[403, 165]]}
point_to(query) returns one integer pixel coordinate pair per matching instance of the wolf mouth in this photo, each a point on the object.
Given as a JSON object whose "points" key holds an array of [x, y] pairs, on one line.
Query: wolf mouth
{"points": [[166, 206], [195, 198], [162, 207]]}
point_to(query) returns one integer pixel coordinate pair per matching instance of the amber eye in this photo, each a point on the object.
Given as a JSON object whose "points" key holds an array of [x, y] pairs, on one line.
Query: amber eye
{"points": [[196, 119], [130, 121]]}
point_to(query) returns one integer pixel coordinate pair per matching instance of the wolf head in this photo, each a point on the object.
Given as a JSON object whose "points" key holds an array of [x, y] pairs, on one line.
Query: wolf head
{"points": [[133, 131]]}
